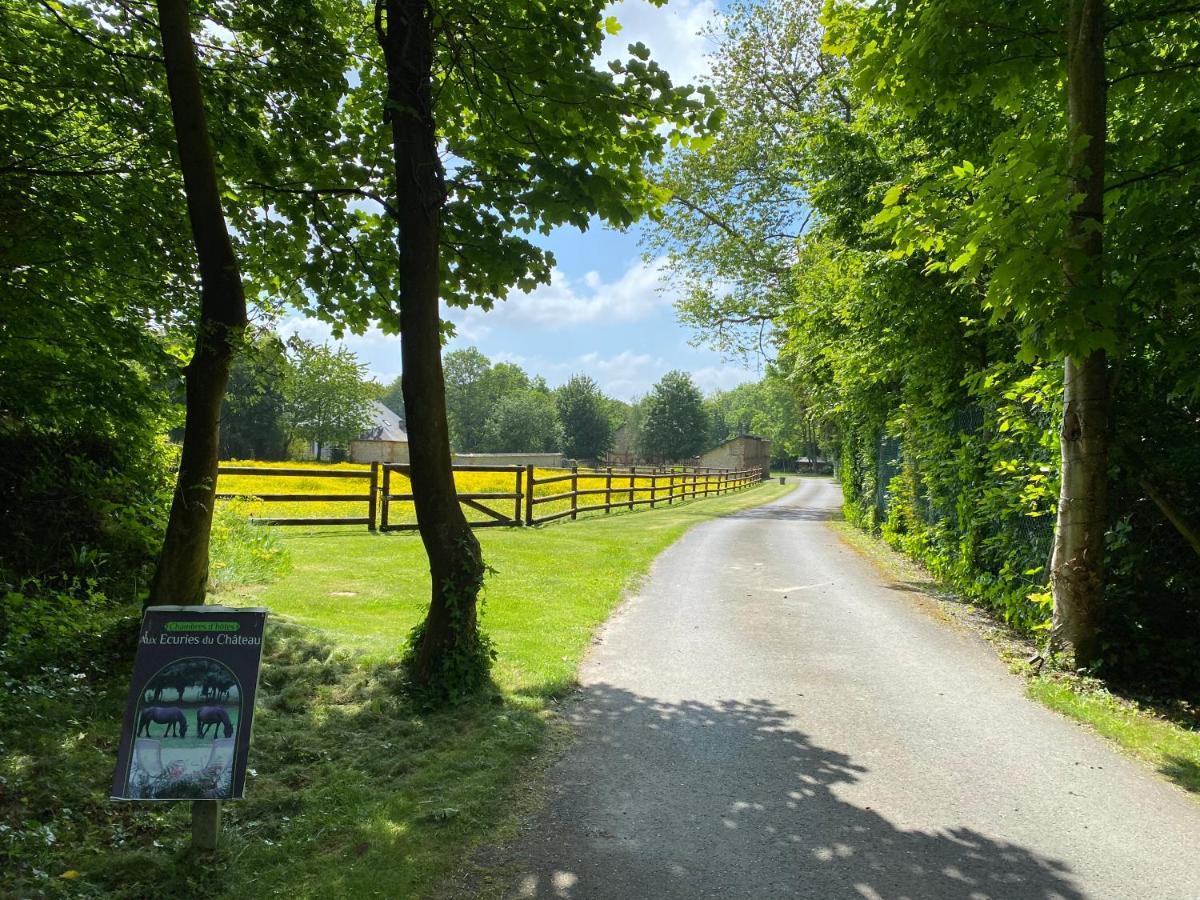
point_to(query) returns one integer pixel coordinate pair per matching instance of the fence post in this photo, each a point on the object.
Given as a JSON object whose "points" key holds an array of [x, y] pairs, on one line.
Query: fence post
{"points": [[383, 497], [529, 483], [371, 504], [632, 484], [520, 477], [574, 493], [608, 490], [653, 487]]}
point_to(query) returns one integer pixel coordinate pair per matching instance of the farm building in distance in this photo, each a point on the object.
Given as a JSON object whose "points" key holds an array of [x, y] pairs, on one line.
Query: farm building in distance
{"points": [[744, 452], [385, 440], [622, 452]]}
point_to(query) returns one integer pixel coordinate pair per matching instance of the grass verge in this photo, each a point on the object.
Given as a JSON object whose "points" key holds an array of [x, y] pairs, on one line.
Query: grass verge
{"points": [[1167, 739], [355, 792]]}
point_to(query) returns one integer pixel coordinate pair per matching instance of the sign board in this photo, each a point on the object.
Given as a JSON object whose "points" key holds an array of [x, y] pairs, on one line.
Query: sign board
{"points": [[191, 703]]}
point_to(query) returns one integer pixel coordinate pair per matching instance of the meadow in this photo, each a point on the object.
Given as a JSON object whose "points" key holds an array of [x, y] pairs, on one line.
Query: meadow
{"points": [[624, 487]]}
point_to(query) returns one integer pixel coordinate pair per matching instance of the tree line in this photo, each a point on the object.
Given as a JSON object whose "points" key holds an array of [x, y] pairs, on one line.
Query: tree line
{"points": [[969, 236], [283, 392]]}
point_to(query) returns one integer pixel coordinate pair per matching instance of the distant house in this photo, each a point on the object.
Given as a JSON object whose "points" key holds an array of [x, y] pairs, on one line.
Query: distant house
{"points": [[622, 452], [384, 440], [744, 452], [818, 465]]}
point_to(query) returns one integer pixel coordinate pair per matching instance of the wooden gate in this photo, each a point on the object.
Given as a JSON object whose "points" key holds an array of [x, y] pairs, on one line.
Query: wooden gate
{"points": [[500, 507]]}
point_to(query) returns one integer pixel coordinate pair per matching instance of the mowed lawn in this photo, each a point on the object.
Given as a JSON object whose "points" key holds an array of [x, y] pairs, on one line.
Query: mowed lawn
{"points": [[551, 587]]}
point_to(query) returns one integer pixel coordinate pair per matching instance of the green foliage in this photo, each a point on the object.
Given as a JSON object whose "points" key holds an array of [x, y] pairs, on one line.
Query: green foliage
{"points": [[464, 665], [392, 397], [676, 424], [241, 552], [327, 396], [253, 416], [888, 208], [523, 422], [474, 387], [586, 423]]}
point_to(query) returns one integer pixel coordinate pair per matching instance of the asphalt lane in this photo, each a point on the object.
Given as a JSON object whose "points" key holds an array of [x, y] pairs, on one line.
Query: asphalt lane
{"points": [[770, 717]]}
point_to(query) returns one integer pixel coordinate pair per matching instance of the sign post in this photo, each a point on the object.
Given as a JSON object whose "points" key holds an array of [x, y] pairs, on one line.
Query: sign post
{"points": [[186, 732]]}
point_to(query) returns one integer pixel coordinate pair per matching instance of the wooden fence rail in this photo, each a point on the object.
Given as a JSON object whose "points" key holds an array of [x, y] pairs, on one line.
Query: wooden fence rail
{"points": [[369, 498], [622, 488]]}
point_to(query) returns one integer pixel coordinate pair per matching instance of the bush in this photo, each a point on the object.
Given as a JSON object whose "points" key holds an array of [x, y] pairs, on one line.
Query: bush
{"points": [[241, 552]]}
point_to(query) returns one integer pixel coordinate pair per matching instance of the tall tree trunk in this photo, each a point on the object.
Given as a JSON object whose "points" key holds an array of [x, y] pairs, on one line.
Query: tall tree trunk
{"points": [[1077, 566], [447, 645], [182, 573]]}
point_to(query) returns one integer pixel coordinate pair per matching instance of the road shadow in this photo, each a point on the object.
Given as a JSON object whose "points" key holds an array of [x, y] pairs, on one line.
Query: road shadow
{"points": [[788, 513], [728, 799]]}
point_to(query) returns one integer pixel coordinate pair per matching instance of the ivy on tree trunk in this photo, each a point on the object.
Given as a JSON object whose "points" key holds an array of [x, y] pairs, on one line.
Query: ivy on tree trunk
{"points": [[182, 573]]}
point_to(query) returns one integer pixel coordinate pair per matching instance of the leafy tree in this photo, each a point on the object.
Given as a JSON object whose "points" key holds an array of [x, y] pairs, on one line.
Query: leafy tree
{"points": [[392, 397], [474, 386], [583, 412], [676, 425], [945, 268], [328, 396], [468, 397], [540, 139], [523, 421], [1076, 291], [253, 417]]}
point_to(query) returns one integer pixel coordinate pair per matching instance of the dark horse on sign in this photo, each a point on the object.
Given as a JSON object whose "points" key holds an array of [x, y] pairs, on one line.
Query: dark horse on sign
{"points": [[171, 716], [214, 716]]}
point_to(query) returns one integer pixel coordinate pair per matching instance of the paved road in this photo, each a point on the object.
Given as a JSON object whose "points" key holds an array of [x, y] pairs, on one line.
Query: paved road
{"points": [[770, 718]]}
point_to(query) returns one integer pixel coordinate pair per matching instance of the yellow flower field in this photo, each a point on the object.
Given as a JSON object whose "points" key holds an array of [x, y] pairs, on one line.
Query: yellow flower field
{"points": [[623, 488]]}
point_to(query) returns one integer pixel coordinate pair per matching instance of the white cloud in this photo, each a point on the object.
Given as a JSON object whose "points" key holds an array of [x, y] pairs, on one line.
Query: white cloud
{"points": [[722, 378], [566, 302], [672, 32]]}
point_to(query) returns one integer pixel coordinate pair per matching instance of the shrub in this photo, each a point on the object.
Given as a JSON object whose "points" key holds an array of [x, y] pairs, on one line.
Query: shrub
{"points": [[241, 552]]}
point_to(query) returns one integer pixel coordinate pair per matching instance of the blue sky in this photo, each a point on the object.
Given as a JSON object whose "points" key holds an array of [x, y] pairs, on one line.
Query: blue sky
{"points": [[607, 312]]}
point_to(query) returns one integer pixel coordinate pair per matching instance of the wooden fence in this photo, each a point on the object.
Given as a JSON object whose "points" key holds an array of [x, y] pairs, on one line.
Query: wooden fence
{"points": [[587, 490]]}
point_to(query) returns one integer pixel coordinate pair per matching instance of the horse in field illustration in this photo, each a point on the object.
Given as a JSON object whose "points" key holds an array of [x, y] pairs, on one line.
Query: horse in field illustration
{"points": [[171, 716], [214, 716]]}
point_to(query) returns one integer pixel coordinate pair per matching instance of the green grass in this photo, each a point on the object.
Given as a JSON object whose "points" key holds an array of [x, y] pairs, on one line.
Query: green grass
{"points": [[1174, 751], [357, 793]]}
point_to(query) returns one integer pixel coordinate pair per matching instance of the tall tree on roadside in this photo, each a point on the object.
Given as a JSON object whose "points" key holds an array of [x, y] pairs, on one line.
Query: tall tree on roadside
{"points": [[587, 427], [540, 139], [1066, 226], [181, 576], [676, 424], [1077, 565]]}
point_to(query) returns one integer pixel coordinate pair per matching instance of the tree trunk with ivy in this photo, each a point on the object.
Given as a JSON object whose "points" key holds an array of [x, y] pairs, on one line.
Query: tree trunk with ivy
{"points": [[181, 576], [448, 656], [1077, 566]]}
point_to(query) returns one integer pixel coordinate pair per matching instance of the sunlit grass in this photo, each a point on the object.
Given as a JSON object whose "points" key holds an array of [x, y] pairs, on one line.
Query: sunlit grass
{"points": [[1173, 750]]}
